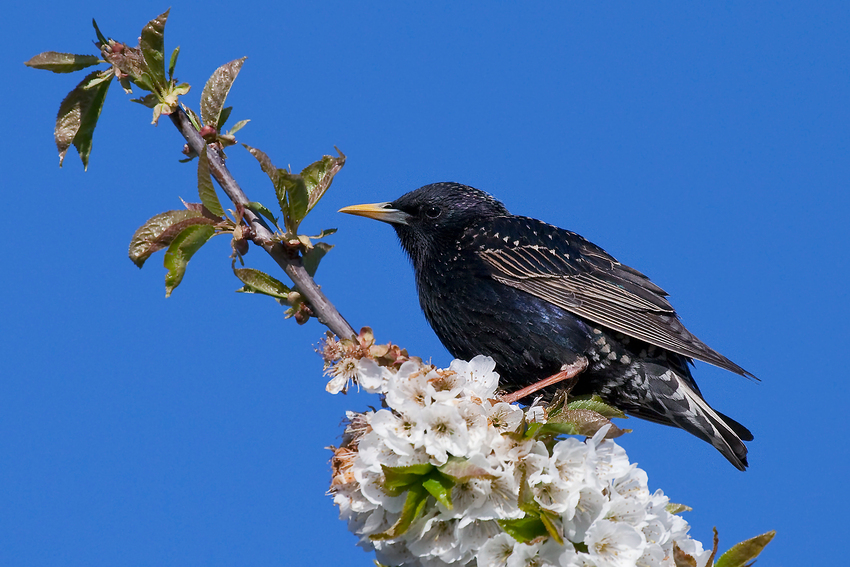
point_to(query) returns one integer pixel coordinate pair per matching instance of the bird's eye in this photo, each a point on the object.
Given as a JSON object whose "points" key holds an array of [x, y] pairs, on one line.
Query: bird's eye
{"points": [[433, 211]]}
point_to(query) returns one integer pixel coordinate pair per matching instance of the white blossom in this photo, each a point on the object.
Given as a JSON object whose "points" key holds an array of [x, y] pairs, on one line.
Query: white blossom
{"points": [[504, 417], [614, 544], [479, 374], [443, 432], [371, 377], [597, 500], [496, 551]]}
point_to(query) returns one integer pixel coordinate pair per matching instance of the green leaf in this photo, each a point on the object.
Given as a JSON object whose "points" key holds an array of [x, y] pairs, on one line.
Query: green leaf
{"points": [[314, 255], [461, 470], [674, 508], [173, 62], [596, 404], [440, 487], [682, 559], [293, 199], [744, 552], [78, 114], [152, 45], [222, 118], [160, 230], [399, 479], [216, 89], [417, 496], [62, 62], [194, 118], [261, 209], [181, 250], [205, 186], [265, 163], [259, 282], [100, 37], [324, 233], [552, 528], [581, 422], [524, 529], [238, 126], [318, 177], [150, 100], [533, 429]]}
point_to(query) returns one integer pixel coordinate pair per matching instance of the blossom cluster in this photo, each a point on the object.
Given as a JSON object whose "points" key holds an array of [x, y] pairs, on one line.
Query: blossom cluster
{"points": [[446, 474]]}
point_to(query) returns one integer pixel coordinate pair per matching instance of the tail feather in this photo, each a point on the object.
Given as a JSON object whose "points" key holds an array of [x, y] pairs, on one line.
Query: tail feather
{"points": [[665, 396], [700, 419], [739, 429]]}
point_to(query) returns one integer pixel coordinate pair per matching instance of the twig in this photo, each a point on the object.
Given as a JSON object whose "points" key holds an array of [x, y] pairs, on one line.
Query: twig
{"points": [[321, 307]]}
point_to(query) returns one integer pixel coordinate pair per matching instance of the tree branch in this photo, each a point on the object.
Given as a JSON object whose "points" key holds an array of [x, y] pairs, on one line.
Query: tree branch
{"points": [[322, 308]]}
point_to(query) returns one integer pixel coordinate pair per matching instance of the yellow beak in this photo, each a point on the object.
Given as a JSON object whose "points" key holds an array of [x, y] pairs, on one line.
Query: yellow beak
{"points": [[378, 211]]}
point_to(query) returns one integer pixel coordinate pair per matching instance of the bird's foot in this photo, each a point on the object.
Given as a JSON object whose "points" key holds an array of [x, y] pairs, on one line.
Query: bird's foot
{"points": [[568, 371]]}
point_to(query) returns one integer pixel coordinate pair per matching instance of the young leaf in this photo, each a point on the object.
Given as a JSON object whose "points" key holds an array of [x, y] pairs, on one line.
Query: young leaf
{"points": [[222, 118], [205, 186], [173, 62], [674, 508], [62, 62], [319, 175], [744, 552], [524, 529], [150, 100], [533, 429], [196, 121], [398, 479], [324, 233], [152, 44], [581, 422], [549, 522], [265, 163], [100, 37], [417, 496], [293, 198], [159, 231], [682, 559], [216, 89], [78, 114], [461, 470], [259, 282], [596, 404], [182, 248], [238, 126], [261, 209], [314, 255], [440, 487]]}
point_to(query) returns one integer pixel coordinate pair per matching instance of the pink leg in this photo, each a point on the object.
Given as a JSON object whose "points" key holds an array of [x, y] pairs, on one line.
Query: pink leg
{"points": [[567, 371]]}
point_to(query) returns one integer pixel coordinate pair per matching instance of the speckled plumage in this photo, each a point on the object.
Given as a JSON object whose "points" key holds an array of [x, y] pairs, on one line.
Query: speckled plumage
{"points": [[536, 298]]}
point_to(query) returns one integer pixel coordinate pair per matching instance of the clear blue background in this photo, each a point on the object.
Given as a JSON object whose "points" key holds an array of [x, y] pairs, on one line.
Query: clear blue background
{"points": [[706, 146]]}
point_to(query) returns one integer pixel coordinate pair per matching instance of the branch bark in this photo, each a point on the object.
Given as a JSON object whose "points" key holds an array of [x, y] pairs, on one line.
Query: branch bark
{"points": [[322, 308]]}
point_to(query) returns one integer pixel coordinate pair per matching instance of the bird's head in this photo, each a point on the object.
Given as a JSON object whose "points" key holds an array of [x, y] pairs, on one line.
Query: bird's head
{"points": [[430, 219]]}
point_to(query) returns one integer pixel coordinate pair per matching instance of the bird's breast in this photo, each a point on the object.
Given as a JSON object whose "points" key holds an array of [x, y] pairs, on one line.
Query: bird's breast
{"points": [[472, 314]]}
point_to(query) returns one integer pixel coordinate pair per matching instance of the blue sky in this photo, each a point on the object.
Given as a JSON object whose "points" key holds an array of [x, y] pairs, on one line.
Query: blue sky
{"points": [[706, 146]]}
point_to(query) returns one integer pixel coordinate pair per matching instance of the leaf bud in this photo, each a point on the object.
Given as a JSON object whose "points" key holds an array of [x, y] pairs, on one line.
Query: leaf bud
{"points": [[208, 133]]}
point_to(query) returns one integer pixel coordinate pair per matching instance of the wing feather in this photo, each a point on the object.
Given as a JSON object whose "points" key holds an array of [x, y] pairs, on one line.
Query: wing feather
{"points": [[566, 270]]}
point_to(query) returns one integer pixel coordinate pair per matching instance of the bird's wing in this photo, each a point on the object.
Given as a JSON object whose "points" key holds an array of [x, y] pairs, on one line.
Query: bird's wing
{"points": [[574, 274]]}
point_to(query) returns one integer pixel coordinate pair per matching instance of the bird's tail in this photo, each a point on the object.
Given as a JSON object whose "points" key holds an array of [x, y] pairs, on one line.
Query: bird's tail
{"points": [[684, 407]]}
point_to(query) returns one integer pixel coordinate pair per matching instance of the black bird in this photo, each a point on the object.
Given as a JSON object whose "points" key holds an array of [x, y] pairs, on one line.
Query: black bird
{"points": [[542, 300]]}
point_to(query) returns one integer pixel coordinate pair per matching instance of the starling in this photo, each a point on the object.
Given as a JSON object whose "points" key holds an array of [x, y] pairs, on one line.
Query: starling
{"points": [[542, 300]]}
